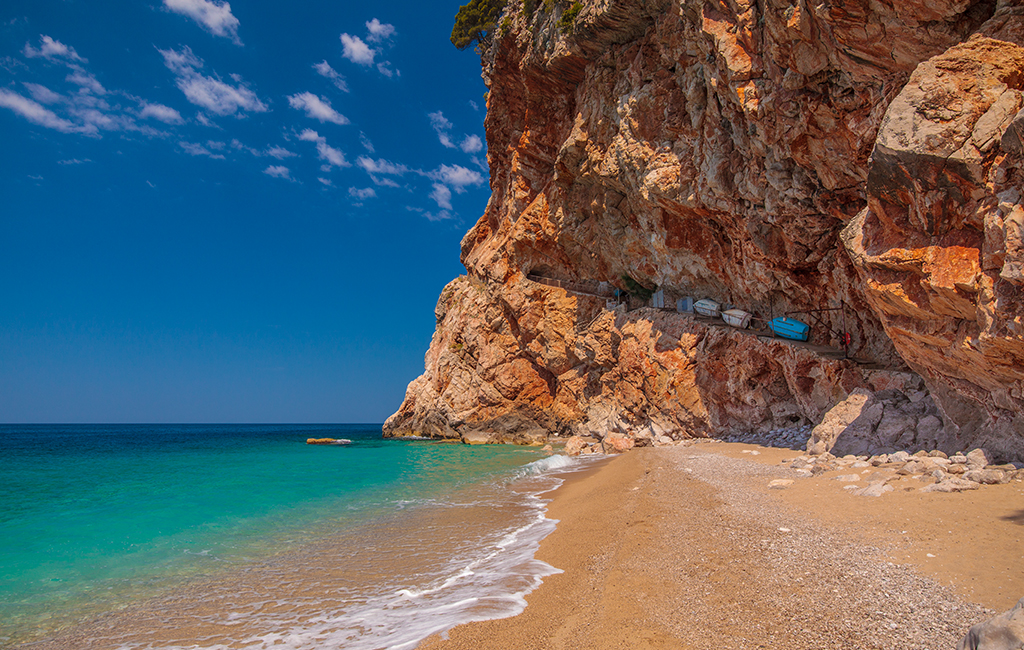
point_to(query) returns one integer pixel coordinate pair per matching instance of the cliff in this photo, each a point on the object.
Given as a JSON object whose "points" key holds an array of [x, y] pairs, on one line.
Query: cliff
{"points": [[777, 156]]}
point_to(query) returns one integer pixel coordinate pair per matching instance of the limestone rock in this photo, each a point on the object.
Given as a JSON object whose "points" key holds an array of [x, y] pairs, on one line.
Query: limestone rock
{"points": [[616, 443], [574, 445], [863, 155]]}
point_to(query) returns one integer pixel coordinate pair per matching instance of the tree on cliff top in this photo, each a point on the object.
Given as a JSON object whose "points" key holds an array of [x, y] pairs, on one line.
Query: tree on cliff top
{"points": [[475, 21]]}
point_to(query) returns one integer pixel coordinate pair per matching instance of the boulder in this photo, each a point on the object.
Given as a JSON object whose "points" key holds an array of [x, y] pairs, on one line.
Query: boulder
{"points": [[951, 484], [1003, 632], [978, 459], [986, 476], [574, 445], [616, 443]]}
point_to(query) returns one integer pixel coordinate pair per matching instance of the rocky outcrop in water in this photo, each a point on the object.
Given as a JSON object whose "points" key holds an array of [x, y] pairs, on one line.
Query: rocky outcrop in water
{"points": [[777, 157]]}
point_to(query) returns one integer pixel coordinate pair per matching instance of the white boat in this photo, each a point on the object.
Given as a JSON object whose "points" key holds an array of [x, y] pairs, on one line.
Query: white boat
{"points": [[707, 307], [736, 318]]}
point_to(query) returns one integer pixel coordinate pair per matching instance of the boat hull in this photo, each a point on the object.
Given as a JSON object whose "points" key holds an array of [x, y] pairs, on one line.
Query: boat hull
{"points": [[737, 318], [789, 328], [707, 307]]}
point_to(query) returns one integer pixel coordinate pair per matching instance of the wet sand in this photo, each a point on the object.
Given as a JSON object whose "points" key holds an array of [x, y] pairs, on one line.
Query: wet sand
{"points": [[687, 547]]}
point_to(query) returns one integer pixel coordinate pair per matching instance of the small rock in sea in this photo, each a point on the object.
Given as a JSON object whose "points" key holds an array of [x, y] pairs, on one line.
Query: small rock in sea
{"points": [[780, 483]]}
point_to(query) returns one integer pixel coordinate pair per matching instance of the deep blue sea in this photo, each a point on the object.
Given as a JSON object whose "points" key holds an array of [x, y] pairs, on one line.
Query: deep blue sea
{"points": [[146, 536]]}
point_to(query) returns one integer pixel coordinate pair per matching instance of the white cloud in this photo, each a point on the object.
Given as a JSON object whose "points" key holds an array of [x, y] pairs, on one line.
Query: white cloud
{"points": [[456, 177], [365, 141], [442, 126], [278, 171], [379, 31], [442, 215], [325, 181], [51, 49], [43, 94], [332, 157], [324, 69], [356, 51], [86, 81], [73, 161], [196, 149], [471, 144], [318, 108], [474, 105], [165, 114], [280, 153], [442, 195], [39, 114], [381, 166], [214, 16], [210, 93], [362, 194]]}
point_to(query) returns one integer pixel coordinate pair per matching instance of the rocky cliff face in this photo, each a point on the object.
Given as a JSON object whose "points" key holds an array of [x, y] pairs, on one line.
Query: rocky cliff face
{"points": [[774, 155]]}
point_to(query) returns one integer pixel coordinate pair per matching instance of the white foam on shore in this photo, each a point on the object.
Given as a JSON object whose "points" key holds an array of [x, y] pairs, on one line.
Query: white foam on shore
{"points": [[473, 580]]}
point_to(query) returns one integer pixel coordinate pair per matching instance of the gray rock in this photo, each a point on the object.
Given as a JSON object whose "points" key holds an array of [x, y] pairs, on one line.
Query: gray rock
{"points": [[1003, 632], [958, 458], [951, 484], [978, 459], [986, 476], [899, 457], [1012, 140], [874, 490]]}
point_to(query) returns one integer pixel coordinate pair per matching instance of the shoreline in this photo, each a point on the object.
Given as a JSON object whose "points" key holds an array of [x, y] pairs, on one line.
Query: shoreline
{"points": [[688, 547]]}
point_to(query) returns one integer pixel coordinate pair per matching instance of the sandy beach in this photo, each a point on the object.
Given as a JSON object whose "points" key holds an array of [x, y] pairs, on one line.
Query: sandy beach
{"points": [[687, 547]]}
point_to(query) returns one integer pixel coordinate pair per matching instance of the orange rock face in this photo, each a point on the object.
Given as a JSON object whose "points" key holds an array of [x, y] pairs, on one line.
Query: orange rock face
{"points": [[776, 157]]}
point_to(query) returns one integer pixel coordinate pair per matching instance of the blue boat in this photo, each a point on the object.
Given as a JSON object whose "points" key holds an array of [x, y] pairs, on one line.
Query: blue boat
{"points": [[788, 328]]}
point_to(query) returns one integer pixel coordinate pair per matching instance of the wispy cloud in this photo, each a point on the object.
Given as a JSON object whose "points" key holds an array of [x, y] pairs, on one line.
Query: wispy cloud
{"points": [[39, 114], [52, 49], [210, 93], [280, 153], [324, 69], [318, 108], [278, 171], [362, 194], [74, 161], [326, 181], [165, 114], [332, 157], [365, 141], [442, 126], [216, 17], [381, 166], [86, 81], [196, 149], [442, 195], [456, 177]]}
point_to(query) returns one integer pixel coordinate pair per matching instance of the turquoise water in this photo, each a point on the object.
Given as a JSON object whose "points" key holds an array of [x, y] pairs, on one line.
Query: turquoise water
{"points": [[93, 518]]}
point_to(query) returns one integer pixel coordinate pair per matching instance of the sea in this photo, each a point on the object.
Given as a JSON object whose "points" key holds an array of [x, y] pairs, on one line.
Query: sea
{"points": [[243, 536]]}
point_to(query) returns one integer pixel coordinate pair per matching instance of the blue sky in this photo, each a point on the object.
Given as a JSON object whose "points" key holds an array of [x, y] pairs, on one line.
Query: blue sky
{"points": [[228, 213]]}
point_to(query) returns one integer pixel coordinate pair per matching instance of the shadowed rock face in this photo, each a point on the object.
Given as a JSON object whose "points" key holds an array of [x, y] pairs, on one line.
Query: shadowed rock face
{"points": [[777, 156]]}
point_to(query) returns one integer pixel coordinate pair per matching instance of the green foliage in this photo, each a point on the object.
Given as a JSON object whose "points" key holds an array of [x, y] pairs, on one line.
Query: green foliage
{"points": [[475, 21], [549, 5], [636, 289], [528, 7], [506, 24], [565, 21]]}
